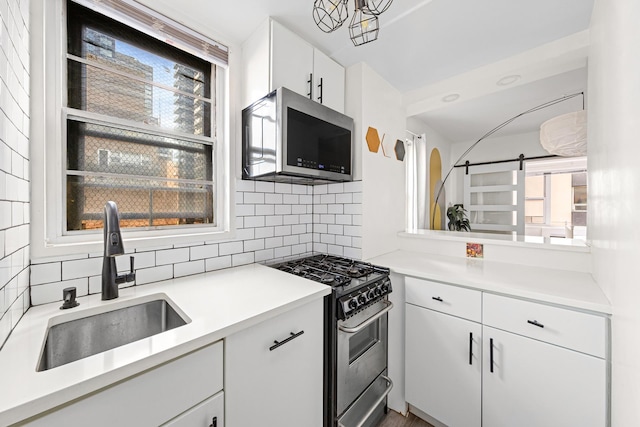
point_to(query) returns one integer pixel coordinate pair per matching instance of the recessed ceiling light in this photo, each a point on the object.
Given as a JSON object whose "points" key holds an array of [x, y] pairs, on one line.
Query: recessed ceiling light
{"points": [[451, 97], [507, 80]]}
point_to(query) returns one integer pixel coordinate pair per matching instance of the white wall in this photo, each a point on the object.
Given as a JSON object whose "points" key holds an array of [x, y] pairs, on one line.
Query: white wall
{"points": [[614, 186], [14, 164], [372, 102]]}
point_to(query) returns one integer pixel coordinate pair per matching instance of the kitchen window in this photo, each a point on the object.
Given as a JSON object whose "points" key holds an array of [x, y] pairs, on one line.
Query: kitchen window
{"points": [[137, 117]]}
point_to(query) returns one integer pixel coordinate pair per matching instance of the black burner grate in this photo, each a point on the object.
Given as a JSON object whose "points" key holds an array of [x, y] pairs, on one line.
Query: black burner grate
{"points": [[329, 269]]}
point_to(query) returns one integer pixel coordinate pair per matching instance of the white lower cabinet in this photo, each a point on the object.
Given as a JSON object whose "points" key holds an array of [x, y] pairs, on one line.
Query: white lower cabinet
{"points": [[274, 371], [443, 364], [536, 384], [531, 364], [209, 413], [151, 398]]}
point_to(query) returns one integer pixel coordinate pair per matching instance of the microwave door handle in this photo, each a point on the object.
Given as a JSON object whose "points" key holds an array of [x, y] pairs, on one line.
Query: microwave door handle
{"points": [[370, 320]]}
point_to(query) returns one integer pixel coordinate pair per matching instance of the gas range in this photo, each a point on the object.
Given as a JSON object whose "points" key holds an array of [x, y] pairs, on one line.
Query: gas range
{"points": [[355, 336], [356, 284]]}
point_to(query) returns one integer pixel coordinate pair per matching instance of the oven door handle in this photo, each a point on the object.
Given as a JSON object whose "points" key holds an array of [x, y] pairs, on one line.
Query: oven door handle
{"points": [[370, 320], [375, 405]]}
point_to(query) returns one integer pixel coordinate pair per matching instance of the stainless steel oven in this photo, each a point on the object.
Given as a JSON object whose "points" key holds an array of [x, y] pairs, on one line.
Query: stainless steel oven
{"points": [[355, 345], [361, 365]]}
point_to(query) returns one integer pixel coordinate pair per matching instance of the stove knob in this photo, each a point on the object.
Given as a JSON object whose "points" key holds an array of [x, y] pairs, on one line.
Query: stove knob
{"points": [[377, 291], [371, 294], [362, 299], [353, 304], [384, 288]]}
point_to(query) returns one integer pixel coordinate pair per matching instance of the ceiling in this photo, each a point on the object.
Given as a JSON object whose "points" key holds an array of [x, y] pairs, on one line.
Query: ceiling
{"points": [[425, 42]]}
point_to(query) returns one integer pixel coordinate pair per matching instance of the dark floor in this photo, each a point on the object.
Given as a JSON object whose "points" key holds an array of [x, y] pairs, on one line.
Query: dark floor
{"points": [[394, 419]]}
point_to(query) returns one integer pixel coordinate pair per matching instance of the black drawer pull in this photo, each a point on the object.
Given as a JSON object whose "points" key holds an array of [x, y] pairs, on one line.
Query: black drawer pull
{"points": [[470, 348], [214, 422], [491, 354], [535, 323], [437, 299], [279, 343]]}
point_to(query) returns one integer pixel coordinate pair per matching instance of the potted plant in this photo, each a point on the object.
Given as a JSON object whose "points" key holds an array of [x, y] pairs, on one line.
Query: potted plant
{"points": [[458, 220]]}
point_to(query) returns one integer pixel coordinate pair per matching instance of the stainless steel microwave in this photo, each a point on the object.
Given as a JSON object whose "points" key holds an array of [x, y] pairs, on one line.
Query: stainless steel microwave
{"points": [[289, 138]]}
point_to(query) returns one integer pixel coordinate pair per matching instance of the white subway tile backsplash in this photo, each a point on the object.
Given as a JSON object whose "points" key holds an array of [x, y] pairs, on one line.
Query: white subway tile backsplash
{"points": [[283, 209], [218, 263], [283, 230], [353, 187], [327, 199], [352, 253], [245, 210], [265, 209], [291, 199], [265, 187], [242, 259], [291, 219], [344, 240], [299, 189], [283, 188], [172, 256], [328, 219], [284, 251], [336, 209], [253, 245], [355, 230], [274, 199], [263, 232], [188, 268], [254, 221], [154, 274], [291, 240], [299, 228], [335, 250], [230, 248], [344, 219], [43, 294], [243, 185], [274, 220], [336, 188], [81, 268], [46, 273], [273, 242], [202, 252], [254, 198], [344, 198], [320, 189], [264, 255]]}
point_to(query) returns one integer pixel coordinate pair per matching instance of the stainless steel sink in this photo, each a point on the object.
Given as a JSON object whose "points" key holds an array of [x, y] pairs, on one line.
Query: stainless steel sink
{"points": [[79, 338]]}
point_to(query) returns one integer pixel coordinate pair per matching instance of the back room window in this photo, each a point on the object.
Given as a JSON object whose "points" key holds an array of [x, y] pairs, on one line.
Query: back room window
{"points": [[140, 127]]}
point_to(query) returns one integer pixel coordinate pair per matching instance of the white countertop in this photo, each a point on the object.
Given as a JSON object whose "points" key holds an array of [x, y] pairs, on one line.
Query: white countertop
{"points": [[217, 303], [568, 288]]}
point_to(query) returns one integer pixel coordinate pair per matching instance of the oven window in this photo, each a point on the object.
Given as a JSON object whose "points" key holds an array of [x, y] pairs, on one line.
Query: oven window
{"points": [[362, 341]]}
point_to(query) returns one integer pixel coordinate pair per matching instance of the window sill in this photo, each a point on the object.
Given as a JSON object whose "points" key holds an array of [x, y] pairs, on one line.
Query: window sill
{"points": [[134, 241]]}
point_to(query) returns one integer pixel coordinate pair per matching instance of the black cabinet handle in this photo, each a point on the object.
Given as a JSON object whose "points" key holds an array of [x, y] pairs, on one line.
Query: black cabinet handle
{"points": [[320, 87], [470, 348], [279, 343], [310, 81], [214, 422], [437, 298], [535, 323], [491, 354]]}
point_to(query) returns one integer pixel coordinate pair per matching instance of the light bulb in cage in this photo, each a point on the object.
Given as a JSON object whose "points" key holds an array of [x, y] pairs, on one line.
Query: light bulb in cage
{"points": [[364, 25], [377, 7], [329, 15]]}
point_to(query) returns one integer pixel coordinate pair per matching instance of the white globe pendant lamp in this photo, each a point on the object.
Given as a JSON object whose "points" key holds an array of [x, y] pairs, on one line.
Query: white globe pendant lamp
{"points": [[565, 135]]}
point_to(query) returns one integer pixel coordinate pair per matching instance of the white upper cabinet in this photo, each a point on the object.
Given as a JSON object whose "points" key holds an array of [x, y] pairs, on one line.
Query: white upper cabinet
{"points": [[275, 56]]}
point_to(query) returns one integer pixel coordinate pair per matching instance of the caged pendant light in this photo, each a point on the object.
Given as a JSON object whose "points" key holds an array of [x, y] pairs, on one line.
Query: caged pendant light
{"points": [[329, 15]]}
